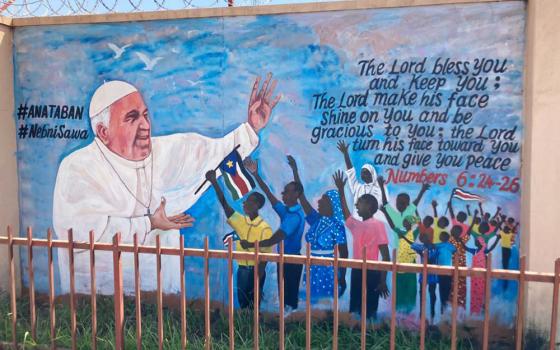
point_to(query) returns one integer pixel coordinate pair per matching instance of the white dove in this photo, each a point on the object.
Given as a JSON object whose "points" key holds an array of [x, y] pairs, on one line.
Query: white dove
{"points": [[150, 63], [118, 50], [194, 83], [192, 33]]}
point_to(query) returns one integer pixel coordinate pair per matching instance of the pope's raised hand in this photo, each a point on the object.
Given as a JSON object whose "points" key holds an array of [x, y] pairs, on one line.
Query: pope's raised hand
{"points": [[261, 103], [160, 221]]}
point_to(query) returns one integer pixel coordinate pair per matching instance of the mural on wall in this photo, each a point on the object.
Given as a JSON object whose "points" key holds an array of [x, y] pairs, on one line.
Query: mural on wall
{"points": [[366, 130]]}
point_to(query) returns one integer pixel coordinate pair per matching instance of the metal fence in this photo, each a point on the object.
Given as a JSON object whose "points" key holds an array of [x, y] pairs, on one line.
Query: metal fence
{"points": [[117, 248], [42, 8]]}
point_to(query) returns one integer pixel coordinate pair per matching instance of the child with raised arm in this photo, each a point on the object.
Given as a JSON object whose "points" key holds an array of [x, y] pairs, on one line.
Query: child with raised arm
{"points": [[491, 220], [508, 240], [441, 225], [459, 220], [368, 233], [402, 220], [475, 220], [326, 231], [425, 226], [487, 230], [478, 284], [403, 206], [406, 281], [368, 175], [249, 227], [432, 253], [446, 250], [292, 223], [459, 237], [508, 233]]}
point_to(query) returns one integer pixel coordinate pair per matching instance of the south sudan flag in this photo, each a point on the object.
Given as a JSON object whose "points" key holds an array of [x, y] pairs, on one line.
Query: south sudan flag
{"points": [[236, 177]]}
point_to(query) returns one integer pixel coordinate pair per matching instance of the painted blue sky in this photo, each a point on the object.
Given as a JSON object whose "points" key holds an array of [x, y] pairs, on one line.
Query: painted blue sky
{"points": [[203, 80]]}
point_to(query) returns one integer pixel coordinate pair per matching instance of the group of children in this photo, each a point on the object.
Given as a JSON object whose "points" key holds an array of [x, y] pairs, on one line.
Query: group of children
{"points": [[443, 239], [445, 243]]}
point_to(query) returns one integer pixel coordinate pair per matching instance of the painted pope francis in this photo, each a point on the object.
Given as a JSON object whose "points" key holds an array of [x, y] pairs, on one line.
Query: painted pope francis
{"points": [[130, 182]]}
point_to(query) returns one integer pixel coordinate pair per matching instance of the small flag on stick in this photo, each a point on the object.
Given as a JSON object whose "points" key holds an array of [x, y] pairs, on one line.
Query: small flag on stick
{"points": [[236, 177], [465, 195], [234, 237]]}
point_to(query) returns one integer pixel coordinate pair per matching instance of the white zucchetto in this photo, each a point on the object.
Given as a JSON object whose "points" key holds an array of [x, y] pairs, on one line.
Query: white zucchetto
{"points": [[107, 94]]}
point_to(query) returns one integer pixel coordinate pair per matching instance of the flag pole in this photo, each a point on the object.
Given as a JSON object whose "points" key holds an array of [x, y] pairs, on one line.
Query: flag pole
{"points": [[450, 199], [203, 182]]}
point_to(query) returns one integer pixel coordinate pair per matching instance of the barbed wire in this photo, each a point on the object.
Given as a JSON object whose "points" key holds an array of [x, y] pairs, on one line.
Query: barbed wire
{"points": [[42, 8]]}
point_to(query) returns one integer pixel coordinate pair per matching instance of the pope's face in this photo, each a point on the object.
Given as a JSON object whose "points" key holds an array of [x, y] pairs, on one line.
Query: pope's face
{"points": [[128, 134]]}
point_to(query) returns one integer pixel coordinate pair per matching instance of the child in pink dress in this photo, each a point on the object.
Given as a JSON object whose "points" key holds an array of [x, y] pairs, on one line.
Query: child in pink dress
{"points": [[478, 284]]}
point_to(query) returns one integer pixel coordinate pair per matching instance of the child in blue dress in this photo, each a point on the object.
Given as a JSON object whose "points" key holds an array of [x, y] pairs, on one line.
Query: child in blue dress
{"points": [[325, 232]]}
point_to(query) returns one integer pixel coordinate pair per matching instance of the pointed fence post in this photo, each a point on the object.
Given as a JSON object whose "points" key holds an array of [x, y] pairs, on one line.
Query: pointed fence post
{"points": [[118, 291]]}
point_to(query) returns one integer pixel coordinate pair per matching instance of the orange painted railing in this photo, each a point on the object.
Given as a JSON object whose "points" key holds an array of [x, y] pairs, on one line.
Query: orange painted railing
{"points": [[521, 276]]}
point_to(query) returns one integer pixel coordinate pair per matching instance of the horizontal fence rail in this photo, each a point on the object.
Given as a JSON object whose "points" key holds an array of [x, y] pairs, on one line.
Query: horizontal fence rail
{"points": [[294, 259], [118, 248]]}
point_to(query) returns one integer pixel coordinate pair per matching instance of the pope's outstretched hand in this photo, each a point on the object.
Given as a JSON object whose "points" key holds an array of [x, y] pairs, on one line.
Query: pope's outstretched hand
{"points": [[261, 103], [160, 221]]}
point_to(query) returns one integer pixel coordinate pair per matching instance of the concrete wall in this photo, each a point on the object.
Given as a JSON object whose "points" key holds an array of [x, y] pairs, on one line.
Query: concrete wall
{"points": [[541, 152], [541, 156], [9, 205]]}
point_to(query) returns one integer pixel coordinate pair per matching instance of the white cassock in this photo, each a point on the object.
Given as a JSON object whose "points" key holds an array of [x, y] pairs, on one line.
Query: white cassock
{"points": [[359, 189], [98, 190]]}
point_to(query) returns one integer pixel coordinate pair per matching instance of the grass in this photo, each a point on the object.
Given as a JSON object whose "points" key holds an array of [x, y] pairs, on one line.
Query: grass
{"points": [[349, 336]]}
